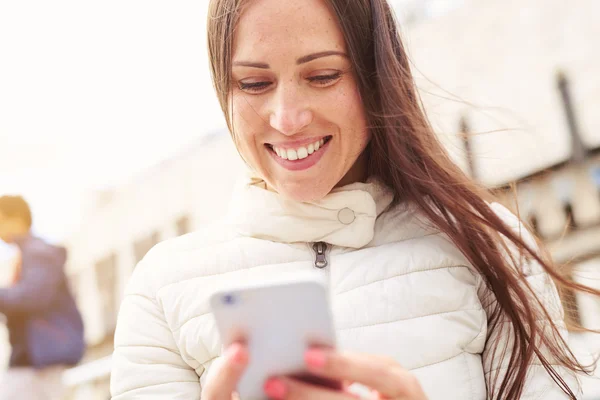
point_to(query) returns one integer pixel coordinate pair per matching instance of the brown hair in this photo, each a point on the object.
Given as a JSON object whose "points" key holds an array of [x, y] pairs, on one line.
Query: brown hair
{"points": [[406, 155]]}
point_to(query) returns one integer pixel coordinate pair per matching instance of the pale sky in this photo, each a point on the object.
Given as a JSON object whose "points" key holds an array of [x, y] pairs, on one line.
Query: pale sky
{"points": [[93, 92]]}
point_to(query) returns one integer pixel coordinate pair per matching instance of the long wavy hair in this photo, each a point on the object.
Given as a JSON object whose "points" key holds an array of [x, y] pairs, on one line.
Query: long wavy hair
{"points": [[406, 154]]}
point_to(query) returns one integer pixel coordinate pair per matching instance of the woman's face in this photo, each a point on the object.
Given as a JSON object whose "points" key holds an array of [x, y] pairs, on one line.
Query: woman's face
{"points": [[296, 112]]}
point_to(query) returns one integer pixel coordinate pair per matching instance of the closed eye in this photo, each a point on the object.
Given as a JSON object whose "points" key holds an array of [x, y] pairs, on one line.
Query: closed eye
{"points": [[254, 86], [318, 80], [325, 80]]}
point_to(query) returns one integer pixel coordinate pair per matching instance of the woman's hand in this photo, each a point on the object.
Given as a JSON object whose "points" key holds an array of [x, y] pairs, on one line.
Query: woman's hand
{"points": [[385, 378], [223, 377]]}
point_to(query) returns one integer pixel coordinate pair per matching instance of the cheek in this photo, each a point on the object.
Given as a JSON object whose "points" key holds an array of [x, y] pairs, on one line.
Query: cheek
{"points": [[245, 118], [245, 122], [352, 116]]}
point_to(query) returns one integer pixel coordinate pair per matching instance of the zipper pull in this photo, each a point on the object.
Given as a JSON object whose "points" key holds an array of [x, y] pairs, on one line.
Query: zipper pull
{"points": [[320, 259]]}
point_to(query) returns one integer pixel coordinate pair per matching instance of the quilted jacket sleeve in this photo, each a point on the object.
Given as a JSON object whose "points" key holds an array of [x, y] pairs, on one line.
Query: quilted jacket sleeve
{"points": [[539, 384], [146, 360]]}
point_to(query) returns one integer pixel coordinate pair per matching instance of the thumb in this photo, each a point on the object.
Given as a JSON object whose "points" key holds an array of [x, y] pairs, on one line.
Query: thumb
{"points": [[223, 377]]}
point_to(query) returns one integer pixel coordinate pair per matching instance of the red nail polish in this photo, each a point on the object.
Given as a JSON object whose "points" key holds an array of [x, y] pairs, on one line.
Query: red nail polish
{"points": [[274, 388], [315, 358], [236, 353]]}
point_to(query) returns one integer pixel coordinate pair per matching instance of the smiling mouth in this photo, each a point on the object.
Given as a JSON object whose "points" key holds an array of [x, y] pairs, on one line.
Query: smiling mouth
{"points": [[301, 152]]}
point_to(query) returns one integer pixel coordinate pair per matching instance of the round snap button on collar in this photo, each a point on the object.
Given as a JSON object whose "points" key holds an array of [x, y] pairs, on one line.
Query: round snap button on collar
{"points": [[346, 216]]}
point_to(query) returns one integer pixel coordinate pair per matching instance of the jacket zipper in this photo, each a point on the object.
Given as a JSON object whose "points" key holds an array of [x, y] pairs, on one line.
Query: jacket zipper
{"points": [[320, 249]]}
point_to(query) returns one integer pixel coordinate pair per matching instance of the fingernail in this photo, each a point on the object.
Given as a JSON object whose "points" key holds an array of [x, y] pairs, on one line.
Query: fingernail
{"points": [[315, 358], [275, 389], [236, 353]]}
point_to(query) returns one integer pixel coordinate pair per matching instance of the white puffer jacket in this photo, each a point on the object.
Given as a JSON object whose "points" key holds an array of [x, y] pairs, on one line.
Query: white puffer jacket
{"points": [[398, 288]]}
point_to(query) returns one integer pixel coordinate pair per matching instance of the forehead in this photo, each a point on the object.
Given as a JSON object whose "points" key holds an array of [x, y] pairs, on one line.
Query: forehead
{"points": [[269, 28]]}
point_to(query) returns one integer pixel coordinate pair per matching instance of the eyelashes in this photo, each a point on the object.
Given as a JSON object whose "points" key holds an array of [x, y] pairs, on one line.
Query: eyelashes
{"points": [[324, 80], [253, 86]]}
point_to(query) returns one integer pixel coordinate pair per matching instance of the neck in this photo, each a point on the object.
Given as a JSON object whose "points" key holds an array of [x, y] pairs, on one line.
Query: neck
{"points": [[357, 173], [20, 237]]}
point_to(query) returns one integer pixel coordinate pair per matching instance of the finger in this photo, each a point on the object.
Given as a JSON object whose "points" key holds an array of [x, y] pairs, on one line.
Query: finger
{"points": [[379, 373], [225, 374], [318, 381], [292, 389]]}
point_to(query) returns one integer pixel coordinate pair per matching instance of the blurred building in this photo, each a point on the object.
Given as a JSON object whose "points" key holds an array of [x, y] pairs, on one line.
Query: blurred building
{"points": [[524, 71], [121, 225], [517, 80]]}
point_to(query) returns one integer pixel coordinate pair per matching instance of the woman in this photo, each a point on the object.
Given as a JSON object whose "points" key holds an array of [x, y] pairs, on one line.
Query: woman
{"points": [[440, 294]]}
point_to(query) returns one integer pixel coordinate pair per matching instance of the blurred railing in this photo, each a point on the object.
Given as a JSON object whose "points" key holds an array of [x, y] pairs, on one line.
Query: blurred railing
{"points": [[82, 381]]}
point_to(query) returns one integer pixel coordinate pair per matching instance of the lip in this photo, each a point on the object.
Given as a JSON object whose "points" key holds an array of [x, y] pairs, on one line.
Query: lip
{"points": [[294, 144], [304, 164]]}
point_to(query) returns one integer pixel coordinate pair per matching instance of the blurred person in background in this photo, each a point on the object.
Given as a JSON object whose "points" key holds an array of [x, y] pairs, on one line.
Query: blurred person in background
{"points": [[44, 325], [438, 291]]}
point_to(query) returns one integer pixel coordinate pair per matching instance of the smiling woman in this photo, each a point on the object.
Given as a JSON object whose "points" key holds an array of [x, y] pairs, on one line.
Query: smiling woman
{"points": [[437, 291], [290, 91]]}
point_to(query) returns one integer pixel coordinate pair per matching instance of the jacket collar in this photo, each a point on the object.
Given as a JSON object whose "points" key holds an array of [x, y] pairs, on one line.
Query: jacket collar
{"points": [[345, 217]]}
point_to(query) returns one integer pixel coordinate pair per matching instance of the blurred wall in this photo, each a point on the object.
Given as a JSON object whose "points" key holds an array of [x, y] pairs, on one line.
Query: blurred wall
{"points": [[170, 199], [121, 225], [496, 64]]}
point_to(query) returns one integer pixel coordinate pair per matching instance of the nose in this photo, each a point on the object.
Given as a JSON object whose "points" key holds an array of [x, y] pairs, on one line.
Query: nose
{"points": [[290, 113]]}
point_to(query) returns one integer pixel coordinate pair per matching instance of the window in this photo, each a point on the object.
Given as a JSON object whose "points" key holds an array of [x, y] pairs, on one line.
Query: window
{"points": [[579, 151], [564, 189], [106, 278], [142, 246], [465, 133], [533, 224], [571, 223], [183, 225]]}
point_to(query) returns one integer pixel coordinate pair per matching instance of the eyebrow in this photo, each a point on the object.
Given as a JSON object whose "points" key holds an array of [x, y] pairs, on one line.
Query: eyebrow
{"points": [[250, 64], [314, 56], [301, 60]]}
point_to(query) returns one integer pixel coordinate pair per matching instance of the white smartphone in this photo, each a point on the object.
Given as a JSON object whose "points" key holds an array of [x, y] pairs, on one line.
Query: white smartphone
{"points": [[279, 322]]}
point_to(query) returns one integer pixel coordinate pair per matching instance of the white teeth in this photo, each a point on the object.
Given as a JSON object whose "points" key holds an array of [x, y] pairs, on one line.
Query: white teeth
{"points": [[299, 153], [302, 153], [292, 155]]}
